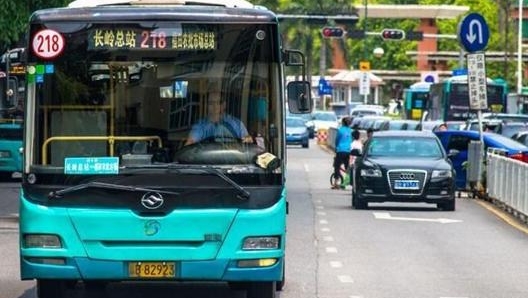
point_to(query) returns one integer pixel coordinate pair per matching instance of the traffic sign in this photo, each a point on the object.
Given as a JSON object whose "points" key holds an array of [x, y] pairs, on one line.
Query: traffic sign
{"points": [[473, 32], [477, 84], [364, 83], [364, 65], [324, 87]]}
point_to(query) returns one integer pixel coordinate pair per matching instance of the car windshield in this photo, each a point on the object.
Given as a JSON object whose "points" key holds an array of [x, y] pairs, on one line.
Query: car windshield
{"points": [[325, 117], [404, 147], [294, 122], [511, 129]]}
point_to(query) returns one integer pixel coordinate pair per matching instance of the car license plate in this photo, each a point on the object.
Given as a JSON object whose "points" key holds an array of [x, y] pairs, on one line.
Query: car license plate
{"points": [[151, 269], [406, 184]]}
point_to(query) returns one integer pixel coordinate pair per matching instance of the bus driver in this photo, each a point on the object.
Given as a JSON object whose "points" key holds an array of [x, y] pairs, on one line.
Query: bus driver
{"points": [[217, 124]]}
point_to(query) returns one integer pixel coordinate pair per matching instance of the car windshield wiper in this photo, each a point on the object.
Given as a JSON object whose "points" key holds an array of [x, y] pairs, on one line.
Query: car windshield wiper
{"points": [[243, 194], [95, 184]]}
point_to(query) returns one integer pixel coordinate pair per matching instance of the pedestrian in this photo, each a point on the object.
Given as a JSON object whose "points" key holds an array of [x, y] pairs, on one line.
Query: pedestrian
{"points": [[343, 143]]}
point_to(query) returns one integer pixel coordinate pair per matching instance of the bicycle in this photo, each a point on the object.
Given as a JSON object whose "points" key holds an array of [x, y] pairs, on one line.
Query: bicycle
{"points": [[340, 181]]}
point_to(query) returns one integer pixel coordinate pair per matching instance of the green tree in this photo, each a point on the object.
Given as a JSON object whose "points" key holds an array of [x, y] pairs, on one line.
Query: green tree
{"points": [[15, 16]]}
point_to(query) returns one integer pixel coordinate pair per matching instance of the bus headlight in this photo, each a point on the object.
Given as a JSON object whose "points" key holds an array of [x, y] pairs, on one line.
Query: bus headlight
{"points": [[261, 243], [41, 241]]}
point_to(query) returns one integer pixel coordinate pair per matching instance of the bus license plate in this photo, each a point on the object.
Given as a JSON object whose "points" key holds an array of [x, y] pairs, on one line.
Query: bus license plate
{"points": [[151, 269], [406, 184]]}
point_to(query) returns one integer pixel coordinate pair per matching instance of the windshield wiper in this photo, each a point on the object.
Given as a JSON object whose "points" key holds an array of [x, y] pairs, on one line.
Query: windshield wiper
{"points": [[59, 193], [243, 194]]}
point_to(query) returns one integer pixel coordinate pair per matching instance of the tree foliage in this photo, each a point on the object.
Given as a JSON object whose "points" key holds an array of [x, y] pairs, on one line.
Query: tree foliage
{"points": [[15, 16], [298, 34]]}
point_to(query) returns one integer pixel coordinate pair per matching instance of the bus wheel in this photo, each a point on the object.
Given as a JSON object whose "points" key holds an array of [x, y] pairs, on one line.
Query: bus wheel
{"points": [[261, 290], [280, 284], [50, 288]]}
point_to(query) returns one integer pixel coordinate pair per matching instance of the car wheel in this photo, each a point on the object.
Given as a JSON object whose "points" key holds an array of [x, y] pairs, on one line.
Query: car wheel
{"points": [[306, 145], [358, 203], [448, 205]]}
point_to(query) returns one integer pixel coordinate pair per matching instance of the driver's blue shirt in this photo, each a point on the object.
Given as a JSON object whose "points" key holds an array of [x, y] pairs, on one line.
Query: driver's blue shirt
{"points": [[227, 127]]}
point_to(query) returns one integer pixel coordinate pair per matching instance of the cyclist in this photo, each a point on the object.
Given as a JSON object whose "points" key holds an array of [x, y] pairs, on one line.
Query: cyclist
{"points": [[343, 142]]}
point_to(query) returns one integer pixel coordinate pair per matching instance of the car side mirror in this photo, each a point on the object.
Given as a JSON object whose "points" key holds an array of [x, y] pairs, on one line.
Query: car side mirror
{"points": [[453, 152]]}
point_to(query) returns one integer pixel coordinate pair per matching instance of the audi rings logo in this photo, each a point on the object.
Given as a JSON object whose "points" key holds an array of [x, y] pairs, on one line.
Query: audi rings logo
{"points": [[152, 200], [407, 176]]}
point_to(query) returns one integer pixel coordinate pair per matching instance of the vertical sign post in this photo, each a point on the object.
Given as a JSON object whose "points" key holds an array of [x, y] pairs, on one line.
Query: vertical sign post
{"points": [[473, 36], [364, 85]]}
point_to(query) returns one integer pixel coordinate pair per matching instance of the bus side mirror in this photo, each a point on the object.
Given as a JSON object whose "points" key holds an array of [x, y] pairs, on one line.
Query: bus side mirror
{"points": [[299, 97]]}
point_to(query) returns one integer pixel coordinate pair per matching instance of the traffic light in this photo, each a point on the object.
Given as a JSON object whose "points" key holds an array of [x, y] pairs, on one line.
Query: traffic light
{"points": [[392, 34], [414, 35], [333, 32]]}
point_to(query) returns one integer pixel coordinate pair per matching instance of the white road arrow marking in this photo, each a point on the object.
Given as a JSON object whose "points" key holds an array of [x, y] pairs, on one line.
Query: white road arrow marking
{"points": [[386, 215], [471, 36]]}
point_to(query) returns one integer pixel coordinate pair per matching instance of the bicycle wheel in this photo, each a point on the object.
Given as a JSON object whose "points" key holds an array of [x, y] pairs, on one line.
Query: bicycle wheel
{"points": [[335, 181]]}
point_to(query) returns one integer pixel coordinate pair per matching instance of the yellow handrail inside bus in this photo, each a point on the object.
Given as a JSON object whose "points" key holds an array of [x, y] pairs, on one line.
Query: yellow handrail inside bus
{"points": [[110, 139]]}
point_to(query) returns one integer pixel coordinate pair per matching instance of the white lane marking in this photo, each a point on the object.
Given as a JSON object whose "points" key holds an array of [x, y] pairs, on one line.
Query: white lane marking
{"points": [[325, 230], [336, 264], [306, 167], [345, 278], [323, 221], [386, 215], [319, 207], [321, 213], [331, 249], [318, 201], [328, 238]]}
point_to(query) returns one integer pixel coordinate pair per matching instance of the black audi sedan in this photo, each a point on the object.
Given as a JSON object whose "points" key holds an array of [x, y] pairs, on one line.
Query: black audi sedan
{"points": [[403, 166]]}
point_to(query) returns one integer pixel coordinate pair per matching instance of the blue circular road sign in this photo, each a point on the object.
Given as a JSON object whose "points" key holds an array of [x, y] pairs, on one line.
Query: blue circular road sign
{"points": [[473, 32]]}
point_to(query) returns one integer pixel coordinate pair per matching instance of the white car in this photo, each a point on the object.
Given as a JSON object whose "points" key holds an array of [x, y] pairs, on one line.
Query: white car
{"points": [[324, 120]]}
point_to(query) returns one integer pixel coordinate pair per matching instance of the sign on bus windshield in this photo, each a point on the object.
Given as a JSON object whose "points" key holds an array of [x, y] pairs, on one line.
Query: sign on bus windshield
{"points": [[187, 37]]}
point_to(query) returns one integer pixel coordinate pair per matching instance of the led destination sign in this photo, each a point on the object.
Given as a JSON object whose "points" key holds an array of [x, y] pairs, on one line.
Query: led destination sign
{"points": [[158, 39]]}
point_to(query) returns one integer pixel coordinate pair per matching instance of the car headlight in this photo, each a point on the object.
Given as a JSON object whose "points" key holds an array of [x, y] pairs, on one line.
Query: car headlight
{"points": [[370, 173], [442, 174]]}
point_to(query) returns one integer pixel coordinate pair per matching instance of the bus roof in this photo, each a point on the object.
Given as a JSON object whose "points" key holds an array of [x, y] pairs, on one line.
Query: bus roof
{"points": [[420, 86], [225, 3], [463, 79], [206, 11]]}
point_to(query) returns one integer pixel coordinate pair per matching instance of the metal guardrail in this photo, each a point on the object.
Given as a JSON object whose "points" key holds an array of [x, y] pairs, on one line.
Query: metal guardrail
{"points": [[506, 184]]}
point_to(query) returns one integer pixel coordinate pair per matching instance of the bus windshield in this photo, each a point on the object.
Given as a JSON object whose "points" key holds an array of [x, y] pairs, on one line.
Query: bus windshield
{"points": [[138, 93]]}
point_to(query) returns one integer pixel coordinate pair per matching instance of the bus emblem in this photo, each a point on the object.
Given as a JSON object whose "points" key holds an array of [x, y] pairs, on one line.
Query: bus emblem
{"points": [[152, 200], [152, 227]]}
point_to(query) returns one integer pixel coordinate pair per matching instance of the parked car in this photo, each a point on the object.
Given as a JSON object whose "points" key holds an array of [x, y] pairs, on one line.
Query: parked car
{"points": [[459, 140], [296, 132], [307, 117], [323, 120], [521, 137], [508, 129], [400, 124], [403, 166]]}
